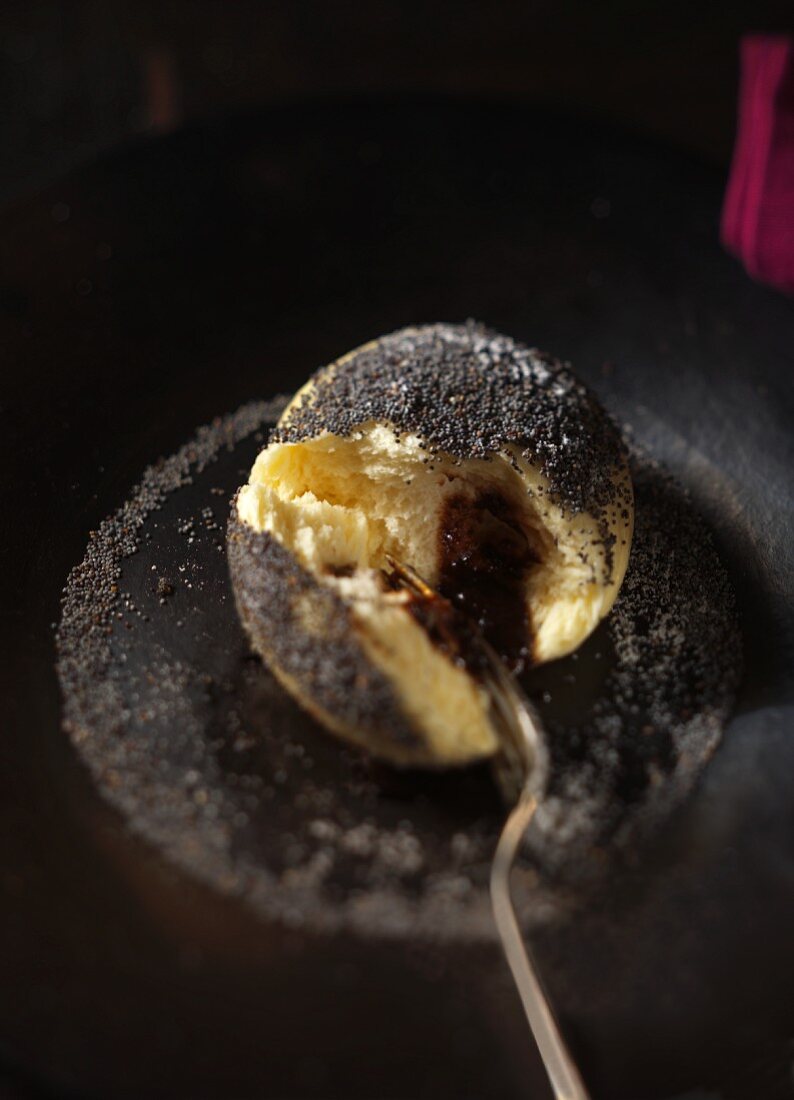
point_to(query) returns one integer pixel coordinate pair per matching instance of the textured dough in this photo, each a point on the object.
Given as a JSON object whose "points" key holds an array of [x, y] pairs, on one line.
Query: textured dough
{"points": [[369, 461]]}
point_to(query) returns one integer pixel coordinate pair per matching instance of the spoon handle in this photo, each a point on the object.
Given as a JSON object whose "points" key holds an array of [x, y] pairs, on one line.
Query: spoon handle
{"points": [[560, 1067]]}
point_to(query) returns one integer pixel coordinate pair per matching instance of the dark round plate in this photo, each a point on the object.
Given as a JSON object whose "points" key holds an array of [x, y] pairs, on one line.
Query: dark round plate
{"points": [[175, 281]]}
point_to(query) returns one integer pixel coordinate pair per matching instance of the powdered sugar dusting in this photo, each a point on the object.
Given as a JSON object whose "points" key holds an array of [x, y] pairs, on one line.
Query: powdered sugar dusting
{"points": [[210, 761]]}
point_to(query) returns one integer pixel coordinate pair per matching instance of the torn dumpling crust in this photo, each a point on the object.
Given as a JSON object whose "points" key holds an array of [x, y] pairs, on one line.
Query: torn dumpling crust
{"points": [[484, 466]]}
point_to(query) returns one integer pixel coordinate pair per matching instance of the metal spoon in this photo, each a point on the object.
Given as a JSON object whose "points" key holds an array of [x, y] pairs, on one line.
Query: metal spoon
{"points": [[521, 771], [526, 766]]}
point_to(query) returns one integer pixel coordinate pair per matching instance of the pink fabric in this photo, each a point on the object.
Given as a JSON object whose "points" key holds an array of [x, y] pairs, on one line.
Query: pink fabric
{"points": [[758, 213]]}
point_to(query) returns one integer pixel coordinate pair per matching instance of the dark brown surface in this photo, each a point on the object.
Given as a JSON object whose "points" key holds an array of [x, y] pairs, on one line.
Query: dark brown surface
{"points": [[207, 758], [484, 558], [193, 274], [80, 78]]}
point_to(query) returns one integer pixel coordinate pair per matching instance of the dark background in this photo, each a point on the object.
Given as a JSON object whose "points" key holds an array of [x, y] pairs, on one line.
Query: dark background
{"points": [[78, 78]]}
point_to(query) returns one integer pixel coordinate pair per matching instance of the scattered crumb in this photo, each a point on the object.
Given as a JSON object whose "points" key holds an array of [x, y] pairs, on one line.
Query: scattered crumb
{"points": [[192, 740]]}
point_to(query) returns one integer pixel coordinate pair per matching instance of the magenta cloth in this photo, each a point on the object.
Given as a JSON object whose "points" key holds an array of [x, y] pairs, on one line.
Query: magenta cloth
{"points": [[758, 213]]}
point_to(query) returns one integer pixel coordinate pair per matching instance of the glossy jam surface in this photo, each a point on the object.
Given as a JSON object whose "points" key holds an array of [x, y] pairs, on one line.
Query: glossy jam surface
{"points": [[484, 557]]}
